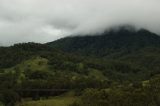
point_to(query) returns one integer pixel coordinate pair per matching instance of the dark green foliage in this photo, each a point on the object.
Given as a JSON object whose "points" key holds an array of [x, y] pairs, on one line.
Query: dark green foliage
{"points": [[9, 97], [110, 69], [108, 43], [39, 74], [139, 49], [123, 96], [10, 56]]}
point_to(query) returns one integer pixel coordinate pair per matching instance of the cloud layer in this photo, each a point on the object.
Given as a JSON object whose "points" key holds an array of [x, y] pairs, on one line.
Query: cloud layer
{"points": [[47, 20]]}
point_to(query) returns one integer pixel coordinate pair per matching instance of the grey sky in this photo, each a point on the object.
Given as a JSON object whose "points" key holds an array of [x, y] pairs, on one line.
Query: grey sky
{"points": [[47, 20]]}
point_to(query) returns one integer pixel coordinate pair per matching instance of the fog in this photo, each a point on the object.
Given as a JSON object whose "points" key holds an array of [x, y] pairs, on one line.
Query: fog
{"points": [[47, 20]]}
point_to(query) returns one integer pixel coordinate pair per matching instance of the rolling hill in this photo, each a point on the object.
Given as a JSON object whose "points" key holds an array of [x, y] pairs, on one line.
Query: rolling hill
{"points": [[122, 41], [122, 63]]}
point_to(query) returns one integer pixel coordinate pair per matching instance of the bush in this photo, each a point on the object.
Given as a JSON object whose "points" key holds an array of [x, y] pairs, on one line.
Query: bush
{"points": [[9, 97]]}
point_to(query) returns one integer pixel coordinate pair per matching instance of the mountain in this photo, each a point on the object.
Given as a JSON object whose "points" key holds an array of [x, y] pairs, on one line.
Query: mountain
{"points": [[120, 63], [139, 48], [122, 41]]}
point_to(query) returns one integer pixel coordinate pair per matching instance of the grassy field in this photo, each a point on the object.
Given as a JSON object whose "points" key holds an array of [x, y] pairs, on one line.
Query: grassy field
{"points": [[64, 100], [59, 101], [1, 104]]}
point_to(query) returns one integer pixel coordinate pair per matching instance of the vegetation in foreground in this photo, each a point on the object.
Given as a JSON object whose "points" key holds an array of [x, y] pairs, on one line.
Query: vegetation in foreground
{"points": [[146, 93], [65, 101], [128, 76]]}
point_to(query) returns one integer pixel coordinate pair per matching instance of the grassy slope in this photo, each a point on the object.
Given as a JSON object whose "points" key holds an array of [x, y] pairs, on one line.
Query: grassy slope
{"points": [[57, 101], [1, 104], [63, 100], [36, 63]]}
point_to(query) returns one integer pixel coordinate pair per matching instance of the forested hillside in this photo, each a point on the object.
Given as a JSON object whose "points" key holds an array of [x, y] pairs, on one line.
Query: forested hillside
{"points": [[117, 68], [121, 41]]}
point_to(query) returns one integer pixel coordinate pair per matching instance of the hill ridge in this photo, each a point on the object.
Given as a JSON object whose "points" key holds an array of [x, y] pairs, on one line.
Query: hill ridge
{"points": [[108, 42]]}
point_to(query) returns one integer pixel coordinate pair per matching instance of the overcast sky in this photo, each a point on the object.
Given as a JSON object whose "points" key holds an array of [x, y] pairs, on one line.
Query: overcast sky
{"points": [[47, 20]]}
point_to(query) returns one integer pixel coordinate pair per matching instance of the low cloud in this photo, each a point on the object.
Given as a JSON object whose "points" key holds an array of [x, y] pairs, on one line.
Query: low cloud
{"points": [[47, 20]]}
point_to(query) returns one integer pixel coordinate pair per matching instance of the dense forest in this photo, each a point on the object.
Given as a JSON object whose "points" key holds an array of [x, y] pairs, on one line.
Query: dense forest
{"points": [[117, 68]]}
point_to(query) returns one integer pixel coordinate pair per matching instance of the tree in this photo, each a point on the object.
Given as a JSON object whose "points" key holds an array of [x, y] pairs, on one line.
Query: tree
{"points": [[9, 97]]}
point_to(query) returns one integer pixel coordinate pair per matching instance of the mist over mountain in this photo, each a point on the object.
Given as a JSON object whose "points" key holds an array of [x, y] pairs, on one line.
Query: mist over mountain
{"points": [[122, 63], [124, 39], [47, 20], [80, 53]]}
